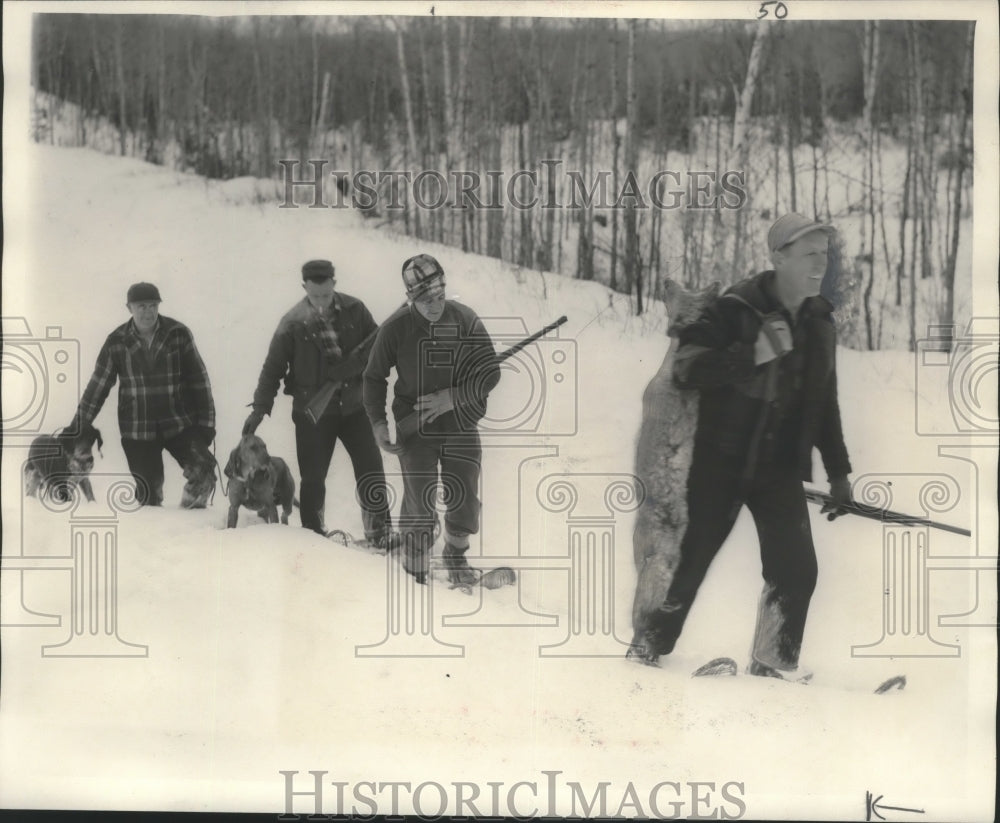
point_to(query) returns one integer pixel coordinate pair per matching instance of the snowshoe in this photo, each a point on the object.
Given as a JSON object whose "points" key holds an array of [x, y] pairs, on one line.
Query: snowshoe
{"points": [[720, 666]]}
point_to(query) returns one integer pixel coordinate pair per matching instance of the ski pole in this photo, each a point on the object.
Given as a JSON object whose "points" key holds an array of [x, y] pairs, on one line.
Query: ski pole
{"points": [[885, 515]]}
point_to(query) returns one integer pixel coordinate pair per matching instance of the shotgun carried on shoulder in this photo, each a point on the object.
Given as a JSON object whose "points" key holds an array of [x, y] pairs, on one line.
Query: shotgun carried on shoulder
{"points": [[317, 406], [411, 423], [885, 515]]}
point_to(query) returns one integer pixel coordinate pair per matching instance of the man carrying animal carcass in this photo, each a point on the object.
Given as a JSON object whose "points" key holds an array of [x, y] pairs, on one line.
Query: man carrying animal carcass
{"points": [[446, 367], [322, 342], [164, 399], [763, 357]]}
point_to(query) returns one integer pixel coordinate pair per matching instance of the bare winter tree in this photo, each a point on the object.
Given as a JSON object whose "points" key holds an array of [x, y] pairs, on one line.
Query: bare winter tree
{"points": [[870, 63], [964, 161], [741, 139], [633, 265]]}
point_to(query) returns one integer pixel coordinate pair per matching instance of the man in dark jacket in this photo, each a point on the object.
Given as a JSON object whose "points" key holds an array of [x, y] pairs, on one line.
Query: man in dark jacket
{"points": [[763, 358], [164, 399], [445, 367], [325, 338]]}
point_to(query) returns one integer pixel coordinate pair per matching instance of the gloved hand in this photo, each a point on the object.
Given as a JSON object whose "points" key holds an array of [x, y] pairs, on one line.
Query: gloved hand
{"points": [[840, 492], [381, 432], [431, 406], [207, 434], [252, 422]]}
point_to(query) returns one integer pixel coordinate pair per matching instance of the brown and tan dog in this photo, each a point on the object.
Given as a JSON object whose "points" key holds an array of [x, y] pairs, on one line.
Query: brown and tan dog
{"points": [[258, 481], [57, 464]]}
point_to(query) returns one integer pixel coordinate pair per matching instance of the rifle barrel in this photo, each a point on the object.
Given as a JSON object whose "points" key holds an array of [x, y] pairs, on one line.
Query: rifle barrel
{"points": [[530, 339], [885, 515]]}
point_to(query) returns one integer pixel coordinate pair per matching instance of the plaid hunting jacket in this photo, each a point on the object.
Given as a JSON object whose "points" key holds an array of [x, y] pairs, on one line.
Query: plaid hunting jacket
{"points": [[163, 390]]}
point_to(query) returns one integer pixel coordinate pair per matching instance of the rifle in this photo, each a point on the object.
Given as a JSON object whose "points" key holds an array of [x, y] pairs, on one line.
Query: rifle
{"points": [[885, 515], [409, 424], [317, 406]]}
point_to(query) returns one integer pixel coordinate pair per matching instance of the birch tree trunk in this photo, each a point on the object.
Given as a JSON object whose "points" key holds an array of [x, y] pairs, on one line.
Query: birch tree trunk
{"points": [[411, 132], [741, 140], [633, 263], [616, 146], [964, 155], [870, 74]]}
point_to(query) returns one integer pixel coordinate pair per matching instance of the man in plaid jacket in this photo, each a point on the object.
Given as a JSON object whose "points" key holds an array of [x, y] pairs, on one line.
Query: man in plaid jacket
{"points": [[164, 399]]}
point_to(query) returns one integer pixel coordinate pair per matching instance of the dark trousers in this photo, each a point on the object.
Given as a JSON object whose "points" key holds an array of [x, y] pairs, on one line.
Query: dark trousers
{"points": [[145, 462], [777, 502], [314, 444], [458, 458]]}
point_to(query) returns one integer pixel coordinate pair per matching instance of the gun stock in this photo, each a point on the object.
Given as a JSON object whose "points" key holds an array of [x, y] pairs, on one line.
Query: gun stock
{"points": [[316, 407]]}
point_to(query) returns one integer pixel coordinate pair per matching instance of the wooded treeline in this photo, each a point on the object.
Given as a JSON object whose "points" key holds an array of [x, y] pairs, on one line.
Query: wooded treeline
{"points": [[867, 124]]}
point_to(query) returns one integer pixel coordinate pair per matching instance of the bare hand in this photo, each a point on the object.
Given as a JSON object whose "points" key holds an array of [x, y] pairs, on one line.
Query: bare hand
{"points": [[840, 498], [431, 406], [253, 421], [381, 432]]}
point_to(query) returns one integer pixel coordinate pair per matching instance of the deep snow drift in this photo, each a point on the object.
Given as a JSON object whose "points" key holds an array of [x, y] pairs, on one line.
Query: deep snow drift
{"points": [[253, 665]]}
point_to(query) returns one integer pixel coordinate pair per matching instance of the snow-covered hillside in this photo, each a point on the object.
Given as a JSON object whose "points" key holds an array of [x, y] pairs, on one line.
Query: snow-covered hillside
{"points": [[253, 665]]}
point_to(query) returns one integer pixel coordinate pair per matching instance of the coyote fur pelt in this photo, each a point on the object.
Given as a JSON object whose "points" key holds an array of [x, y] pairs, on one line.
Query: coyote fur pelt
{"points": [[662, 462]]}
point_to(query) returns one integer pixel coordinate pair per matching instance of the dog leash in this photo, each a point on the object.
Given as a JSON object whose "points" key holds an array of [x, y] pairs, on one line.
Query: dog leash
{"points": [[222, 477]]}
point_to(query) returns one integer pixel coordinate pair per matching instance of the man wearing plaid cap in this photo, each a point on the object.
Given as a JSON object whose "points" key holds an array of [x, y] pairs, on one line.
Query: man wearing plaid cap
{"points": [[324, 338], [445, 368], [763, 358]]}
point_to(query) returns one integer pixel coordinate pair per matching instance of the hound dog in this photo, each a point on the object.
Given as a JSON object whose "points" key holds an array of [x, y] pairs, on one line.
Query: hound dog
{"points": [[258, 481], [57, 464]]}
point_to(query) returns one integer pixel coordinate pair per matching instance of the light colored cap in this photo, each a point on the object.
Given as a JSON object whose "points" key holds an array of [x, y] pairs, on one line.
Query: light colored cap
{"points": [[790, 227]]}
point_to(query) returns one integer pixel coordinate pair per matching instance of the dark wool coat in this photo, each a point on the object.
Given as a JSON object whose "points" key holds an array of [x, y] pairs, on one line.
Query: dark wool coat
{"points": [[297, 356], [736, 416]]}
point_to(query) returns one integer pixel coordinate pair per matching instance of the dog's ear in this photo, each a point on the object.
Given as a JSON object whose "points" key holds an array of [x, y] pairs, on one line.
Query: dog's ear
{"points": [[234, 467]]}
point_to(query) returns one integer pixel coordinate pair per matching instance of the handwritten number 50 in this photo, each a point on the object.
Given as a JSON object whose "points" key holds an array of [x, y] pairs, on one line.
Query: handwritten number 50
{"points": [[780, 9]]}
